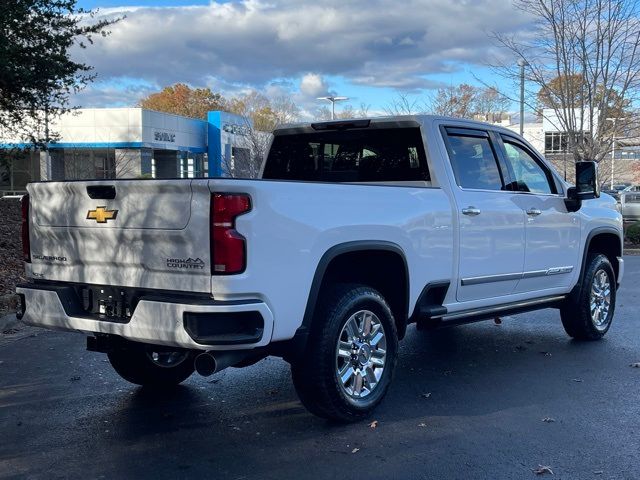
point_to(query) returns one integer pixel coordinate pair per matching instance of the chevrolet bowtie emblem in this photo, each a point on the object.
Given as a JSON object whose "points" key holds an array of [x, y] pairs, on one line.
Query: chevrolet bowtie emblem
{"points": [[101, 214]]}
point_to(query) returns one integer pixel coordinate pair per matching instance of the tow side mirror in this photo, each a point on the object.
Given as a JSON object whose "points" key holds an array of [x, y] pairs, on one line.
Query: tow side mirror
{"points": [[587, 184]]}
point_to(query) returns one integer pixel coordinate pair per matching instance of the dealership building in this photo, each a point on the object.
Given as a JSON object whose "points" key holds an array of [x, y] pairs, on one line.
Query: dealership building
{"points": [[126, 143], [96, 143]]}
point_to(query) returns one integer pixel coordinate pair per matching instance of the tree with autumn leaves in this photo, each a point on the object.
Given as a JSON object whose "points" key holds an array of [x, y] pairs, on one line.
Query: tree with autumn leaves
{"points": [[181, 99], [262, 113]]}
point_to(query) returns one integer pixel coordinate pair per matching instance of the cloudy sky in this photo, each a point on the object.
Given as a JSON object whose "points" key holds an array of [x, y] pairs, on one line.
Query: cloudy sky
{"points": [[368, 50]]}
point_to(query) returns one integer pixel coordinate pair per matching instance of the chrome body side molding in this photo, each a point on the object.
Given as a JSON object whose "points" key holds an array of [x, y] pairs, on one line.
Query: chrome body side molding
{"points": [[516, 276]]}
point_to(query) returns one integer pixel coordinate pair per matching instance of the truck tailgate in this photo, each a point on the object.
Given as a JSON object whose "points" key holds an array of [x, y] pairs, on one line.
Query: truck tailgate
{"points": [[139, 233]]}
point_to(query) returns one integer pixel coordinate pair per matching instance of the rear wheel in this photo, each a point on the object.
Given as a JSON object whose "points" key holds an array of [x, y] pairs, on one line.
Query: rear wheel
{"points": [[350, 356], [150, 365], [588, 316]]}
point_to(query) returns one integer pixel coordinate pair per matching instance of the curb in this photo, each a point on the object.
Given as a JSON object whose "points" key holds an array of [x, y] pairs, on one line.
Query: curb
{"points": [[631, 251], [9, 321]]}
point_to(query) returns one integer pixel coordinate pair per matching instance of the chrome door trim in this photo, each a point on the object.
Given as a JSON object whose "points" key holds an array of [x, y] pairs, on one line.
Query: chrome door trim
{"points": [[503, 277]]}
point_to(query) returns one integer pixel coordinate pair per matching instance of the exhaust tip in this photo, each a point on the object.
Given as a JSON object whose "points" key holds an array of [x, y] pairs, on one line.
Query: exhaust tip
{"points": [[205, 364]]}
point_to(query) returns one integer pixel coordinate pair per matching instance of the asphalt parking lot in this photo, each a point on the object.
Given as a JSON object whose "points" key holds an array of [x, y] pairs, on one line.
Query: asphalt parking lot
{"points": [[479, 401]]}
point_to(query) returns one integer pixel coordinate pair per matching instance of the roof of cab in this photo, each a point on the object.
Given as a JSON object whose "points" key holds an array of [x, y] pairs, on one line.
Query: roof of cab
{"points": [[396, 121]]}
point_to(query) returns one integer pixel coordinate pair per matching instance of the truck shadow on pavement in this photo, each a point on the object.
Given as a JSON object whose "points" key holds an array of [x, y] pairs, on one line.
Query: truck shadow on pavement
{"points": [[464, 387], [465, 371]]}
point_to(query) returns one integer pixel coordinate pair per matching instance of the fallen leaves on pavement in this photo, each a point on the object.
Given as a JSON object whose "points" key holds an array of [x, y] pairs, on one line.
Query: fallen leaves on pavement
{"points": [[542, 469], [373, 424]]}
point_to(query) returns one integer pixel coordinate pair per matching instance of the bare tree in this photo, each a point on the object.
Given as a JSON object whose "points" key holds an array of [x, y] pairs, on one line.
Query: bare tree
{"points": [[454, 101], [323, 113], [264, 113], [246, 159], [261, 116], [348, 112], [404, 104], [284, 110], [363, 110], [462, 101], [583, 57], [490, 104]]}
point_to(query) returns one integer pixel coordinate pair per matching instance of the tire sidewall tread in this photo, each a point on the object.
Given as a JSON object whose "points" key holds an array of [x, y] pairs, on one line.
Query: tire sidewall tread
{"points": [[314, 376], [576, 314]]}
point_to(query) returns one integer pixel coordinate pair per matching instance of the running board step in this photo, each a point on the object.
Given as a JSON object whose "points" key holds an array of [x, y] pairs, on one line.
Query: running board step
{"points": [[435, 317]]}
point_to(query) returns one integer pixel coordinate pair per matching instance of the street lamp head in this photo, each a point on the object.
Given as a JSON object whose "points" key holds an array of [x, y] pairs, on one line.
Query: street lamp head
{"points": [[522, 62], [333, 98]]}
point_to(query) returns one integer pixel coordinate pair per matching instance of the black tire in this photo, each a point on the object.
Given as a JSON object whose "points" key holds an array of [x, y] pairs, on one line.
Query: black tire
{"points": [[315, 374], [576, 314], [134, 362]]}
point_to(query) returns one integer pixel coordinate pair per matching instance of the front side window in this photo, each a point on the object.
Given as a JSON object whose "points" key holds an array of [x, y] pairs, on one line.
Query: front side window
{"points": [[529, 175], [474, 163]]}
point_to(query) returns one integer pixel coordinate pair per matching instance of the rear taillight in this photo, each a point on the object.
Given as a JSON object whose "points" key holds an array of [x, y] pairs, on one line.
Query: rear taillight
{"points": [[228, 247], [26, 244]]}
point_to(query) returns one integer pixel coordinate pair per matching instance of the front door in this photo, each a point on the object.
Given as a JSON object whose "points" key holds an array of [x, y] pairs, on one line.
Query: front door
{"points": [[552, 233], [491, 224]]}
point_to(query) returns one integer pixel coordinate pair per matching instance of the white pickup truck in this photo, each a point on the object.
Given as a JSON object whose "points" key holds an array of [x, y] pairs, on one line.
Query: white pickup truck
{"points": [[355, 230]]}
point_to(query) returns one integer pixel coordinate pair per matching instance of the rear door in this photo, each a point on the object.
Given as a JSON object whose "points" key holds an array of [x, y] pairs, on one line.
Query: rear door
{"points": [[552, 233], [135, 233], [491, 224]]}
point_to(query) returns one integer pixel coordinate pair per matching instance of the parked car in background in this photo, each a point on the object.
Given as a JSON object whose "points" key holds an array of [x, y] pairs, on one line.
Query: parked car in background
{"points": [[616, 190], [630, 204]]}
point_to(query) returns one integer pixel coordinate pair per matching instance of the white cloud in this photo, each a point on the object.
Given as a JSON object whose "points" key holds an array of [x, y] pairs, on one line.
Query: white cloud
{"points": [[313, 85], [383, 43]]}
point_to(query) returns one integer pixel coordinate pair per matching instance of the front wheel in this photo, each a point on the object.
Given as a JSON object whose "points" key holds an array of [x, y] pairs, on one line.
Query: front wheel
{"points": [[588, 316], [152, 366], [350, 357]]}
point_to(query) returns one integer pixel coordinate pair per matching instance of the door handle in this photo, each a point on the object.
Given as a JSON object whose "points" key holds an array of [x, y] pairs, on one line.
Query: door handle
{"points": [[533, 212], [471, 211]]}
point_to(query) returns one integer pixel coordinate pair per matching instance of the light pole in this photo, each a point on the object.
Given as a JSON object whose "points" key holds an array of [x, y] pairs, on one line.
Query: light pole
{"points": [[522, 63], [333, 100], [613, 145]]}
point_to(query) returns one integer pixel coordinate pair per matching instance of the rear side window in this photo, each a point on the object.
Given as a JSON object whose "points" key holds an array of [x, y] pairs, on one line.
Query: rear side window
{"points": [[474, 162], [365, 155]]}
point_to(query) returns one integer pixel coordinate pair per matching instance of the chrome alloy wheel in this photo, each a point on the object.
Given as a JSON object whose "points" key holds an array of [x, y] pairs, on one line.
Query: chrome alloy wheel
{"points": [[361, 354], [167, 359], [600, 299]]}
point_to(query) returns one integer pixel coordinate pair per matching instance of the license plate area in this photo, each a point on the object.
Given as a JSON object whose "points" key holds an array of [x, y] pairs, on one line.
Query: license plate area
{"points": [[107, 303]]}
